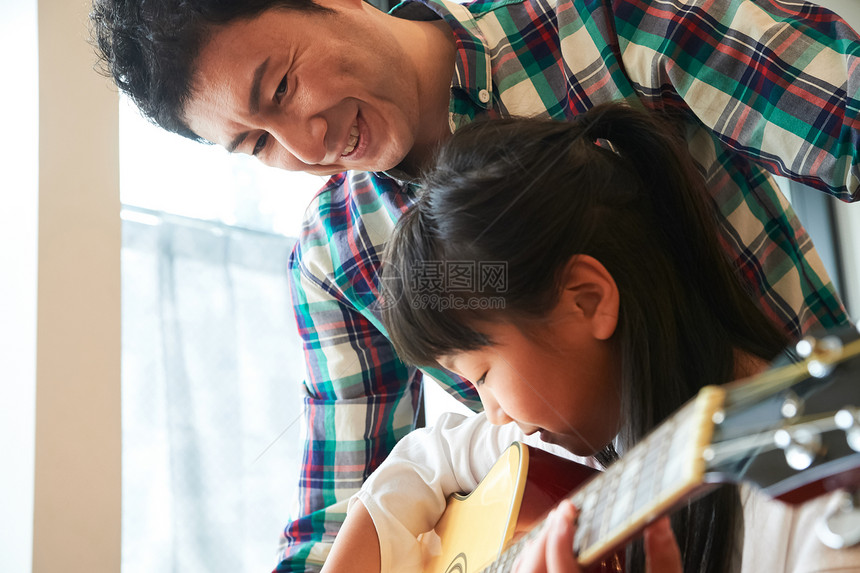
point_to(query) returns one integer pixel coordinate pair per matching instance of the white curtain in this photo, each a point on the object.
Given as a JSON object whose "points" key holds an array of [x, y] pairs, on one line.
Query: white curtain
{"points": [[212, 369]]}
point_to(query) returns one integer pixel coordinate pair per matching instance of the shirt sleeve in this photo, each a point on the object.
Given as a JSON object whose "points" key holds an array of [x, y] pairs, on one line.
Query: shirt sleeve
{"points": [[778, 82], [360, 399]]}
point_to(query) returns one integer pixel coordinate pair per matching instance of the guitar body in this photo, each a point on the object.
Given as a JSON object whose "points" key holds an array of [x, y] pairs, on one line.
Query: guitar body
{"points": [[523, 485]]}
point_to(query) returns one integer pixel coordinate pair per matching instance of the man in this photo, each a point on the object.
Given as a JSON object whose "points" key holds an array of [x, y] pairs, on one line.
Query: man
{"points": [[338, 87]]}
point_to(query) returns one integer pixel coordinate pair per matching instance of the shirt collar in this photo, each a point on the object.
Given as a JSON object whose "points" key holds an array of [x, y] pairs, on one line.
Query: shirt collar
{"points": [[472, 74]]}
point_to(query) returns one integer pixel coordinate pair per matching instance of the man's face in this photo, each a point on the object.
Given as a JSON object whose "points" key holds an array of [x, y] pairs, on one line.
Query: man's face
{"points": [[321, 92]]}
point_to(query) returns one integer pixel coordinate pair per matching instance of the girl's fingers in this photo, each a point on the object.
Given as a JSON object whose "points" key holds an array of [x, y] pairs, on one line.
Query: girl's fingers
{"points": [[661, 549], [532, 558], [559, 548], [552, 551]]}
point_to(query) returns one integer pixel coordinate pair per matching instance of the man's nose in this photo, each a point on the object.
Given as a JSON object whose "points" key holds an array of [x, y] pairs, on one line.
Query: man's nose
{"points": [[305, 139]]}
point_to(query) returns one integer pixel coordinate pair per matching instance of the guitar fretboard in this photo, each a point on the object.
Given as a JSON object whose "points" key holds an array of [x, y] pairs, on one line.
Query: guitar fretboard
{"points": [[662, 469]]}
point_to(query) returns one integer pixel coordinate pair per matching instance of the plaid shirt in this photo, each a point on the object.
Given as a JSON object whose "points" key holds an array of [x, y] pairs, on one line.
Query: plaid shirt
{"points": [[763, 85]]}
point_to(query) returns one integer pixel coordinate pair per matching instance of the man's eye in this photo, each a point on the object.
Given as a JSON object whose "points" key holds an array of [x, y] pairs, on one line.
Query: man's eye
{"points": [[282, 88], [261, 144]]}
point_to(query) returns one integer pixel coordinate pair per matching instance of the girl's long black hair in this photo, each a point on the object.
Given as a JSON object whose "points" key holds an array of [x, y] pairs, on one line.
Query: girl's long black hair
{"points": [[617, 184]]}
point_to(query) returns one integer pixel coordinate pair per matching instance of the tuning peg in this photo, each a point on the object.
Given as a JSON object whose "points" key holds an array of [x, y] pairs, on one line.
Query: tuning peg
{"points": [[801, 446], [821, 354], [848, 419], [792, 406], [840, 525], [804, 346]]}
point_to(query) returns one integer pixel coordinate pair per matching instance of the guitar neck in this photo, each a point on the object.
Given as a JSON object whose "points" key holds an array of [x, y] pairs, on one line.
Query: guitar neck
{"points": [[665, 468]]}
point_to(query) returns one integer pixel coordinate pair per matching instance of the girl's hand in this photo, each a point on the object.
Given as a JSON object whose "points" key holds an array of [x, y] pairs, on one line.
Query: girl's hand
{"points": [[552, 551], [661, 548]]}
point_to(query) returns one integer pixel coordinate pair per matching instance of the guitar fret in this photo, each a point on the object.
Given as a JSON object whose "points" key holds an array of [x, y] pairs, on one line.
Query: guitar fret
{"points": [[638, 465], [645, 485], [579, 498], [644, 478], [653, 473], [624, 488], [631, 486], [674, 465], [586, 515], [597, 510], [624, 499], [582, 502], [506, 561], [607, 499], [662, 462]]}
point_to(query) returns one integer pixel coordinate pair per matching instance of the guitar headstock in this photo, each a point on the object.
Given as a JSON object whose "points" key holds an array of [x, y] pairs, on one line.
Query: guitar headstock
{"points": [[794, 431]]}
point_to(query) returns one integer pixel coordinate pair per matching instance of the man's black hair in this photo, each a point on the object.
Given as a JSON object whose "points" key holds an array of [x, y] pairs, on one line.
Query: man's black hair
{"points": [[150, 47]]}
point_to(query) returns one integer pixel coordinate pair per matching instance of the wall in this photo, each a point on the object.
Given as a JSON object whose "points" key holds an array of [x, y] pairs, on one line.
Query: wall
{"points": [[59, 296], [76, 518], [18, 229]]}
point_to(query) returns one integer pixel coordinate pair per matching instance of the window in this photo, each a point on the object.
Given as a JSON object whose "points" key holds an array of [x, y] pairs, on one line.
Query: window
{"points": [[212, 364]]}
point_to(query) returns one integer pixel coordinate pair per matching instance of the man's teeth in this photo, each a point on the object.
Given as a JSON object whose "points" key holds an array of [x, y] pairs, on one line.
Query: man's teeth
{"points": [[353, 140]]}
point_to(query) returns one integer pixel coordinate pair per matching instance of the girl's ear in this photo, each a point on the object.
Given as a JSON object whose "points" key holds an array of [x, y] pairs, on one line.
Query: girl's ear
{"points": [[591, 291]]}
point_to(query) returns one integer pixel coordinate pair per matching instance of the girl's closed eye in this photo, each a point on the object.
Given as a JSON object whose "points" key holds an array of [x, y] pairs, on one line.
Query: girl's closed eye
{"points": [[480, 381]]}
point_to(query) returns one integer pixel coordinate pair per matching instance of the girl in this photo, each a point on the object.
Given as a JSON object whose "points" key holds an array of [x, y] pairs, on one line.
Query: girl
{"points": [[600, 301]]}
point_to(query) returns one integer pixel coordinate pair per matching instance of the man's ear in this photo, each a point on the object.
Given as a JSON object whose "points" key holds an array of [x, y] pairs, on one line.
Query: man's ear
{"points": [[591, 291]]}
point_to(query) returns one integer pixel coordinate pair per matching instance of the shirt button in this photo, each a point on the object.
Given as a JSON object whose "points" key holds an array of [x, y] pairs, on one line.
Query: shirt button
{"points": [[484, 96]]}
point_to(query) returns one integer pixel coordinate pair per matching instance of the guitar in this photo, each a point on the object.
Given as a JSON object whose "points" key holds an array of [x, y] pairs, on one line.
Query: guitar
{"points": [[793, 432]]}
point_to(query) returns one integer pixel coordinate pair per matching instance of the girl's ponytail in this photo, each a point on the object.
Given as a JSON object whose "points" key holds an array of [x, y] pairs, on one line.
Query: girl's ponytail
{"points": [[673, 186], [669, 179], [711, 316]]}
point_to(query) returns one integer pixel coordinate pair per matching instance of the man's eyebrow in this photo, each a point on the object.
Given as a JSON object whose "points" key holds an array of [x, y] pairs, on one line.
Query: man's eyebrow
{"points": [[237, 141], [253, 103], [254, 99]]}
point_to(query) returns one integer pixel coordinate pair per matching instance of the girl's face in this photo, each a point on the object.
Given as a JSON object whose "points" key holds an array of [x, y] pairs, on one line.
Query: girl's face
{"points": [[558, 379]]}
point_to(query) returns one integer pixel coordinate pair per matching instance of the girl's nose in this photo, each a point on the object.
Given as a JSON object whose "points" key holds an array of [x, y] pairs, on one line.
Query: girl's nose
{"points": [[495, 413]]}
